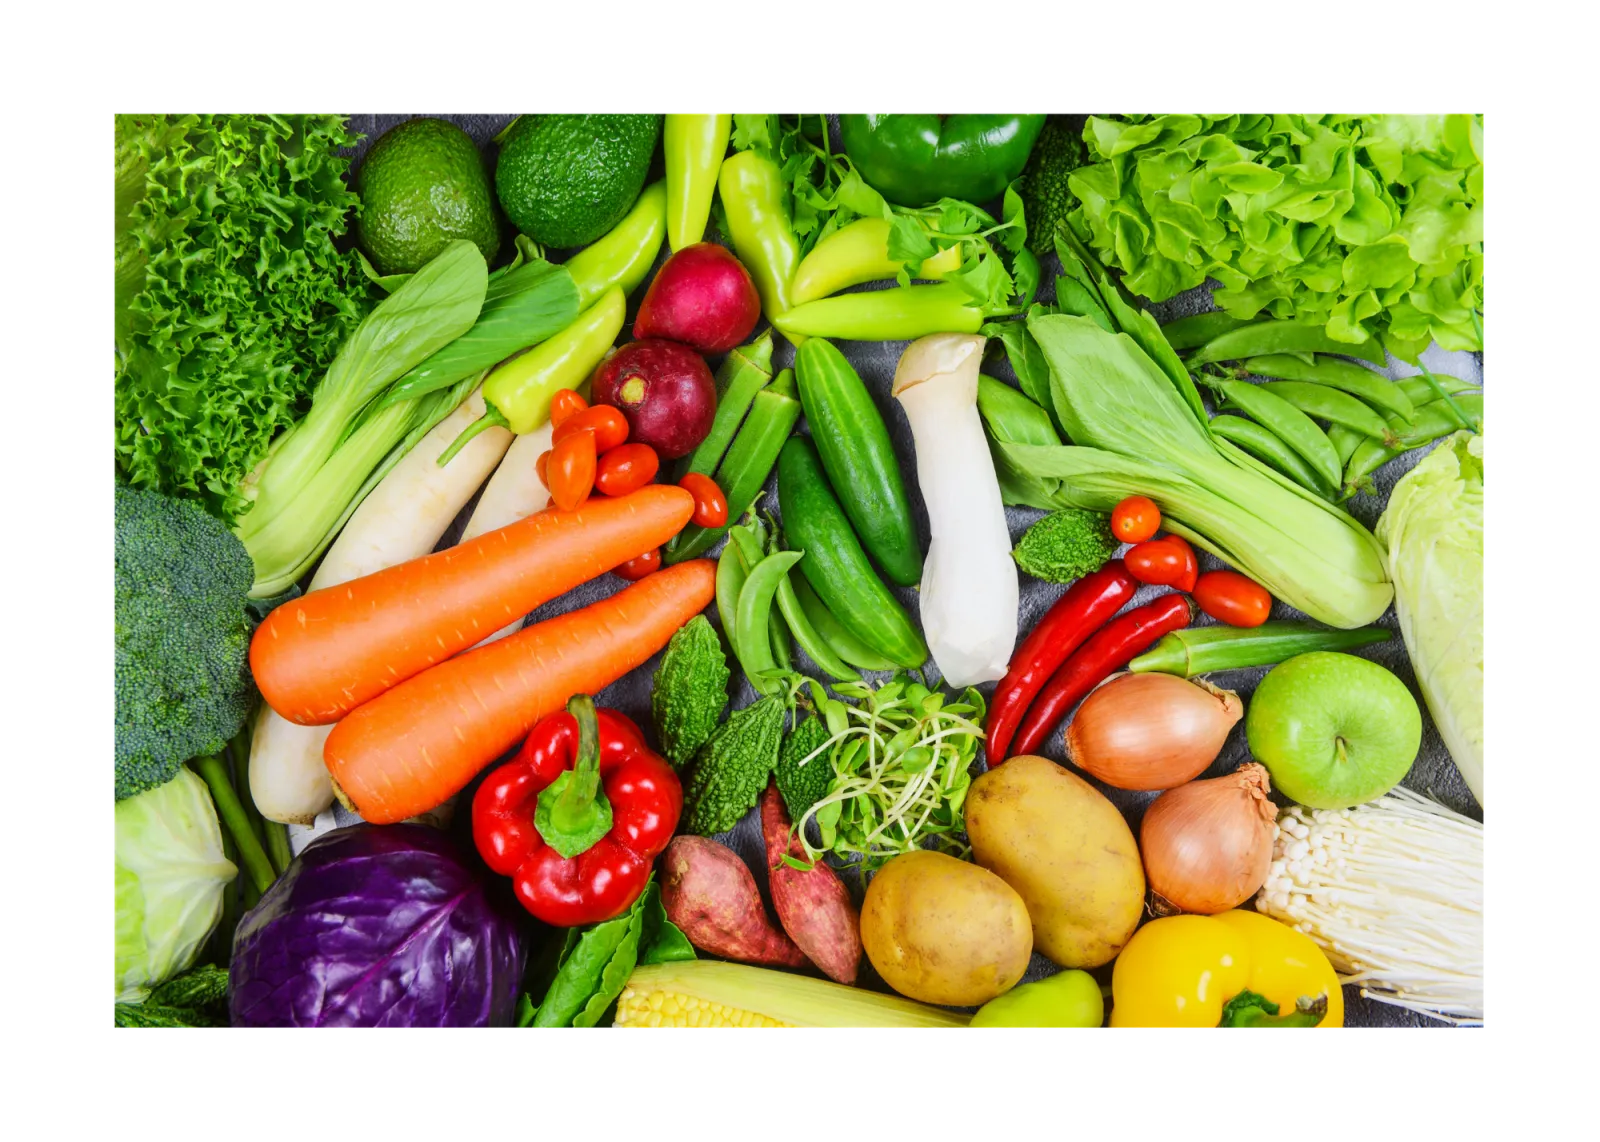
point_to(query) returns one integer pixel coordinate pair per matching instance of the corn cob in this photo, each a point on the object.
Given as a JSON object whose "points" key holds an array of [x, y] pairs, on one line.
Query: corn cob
{"points": [[704, 993]]}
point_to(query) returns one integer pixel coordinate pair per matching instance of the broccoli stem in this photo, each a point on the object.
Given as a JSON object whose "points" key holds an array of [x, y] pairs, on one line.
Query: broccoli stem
{"points": [[251, 855]]}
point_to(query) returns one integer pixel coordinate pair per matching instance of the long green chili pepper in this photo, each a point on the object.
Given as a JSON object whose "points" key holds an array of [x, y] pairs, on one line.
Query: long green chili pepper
{"points": [[518, 393], [1288, 423], [1270, 449], [745, 371], [1346, 376], [1200, 650], [902, 313], [694, 147], [857, 254], [751, 187], [750, 460], [625, 254]]}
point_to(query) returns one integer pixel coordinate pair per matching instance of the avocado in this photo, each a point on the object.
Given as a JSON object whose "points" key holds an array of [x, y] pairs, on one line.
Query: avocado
{"points": [[423, 185], [564, 180]]}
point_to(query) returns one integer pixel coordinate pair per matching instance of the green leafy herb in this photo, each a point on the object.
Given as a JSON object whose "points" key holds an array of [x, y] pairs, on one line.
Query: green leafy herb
{"points": [[690, 690], [1369, 225], [232, 296], [595, 963], [901, 758]]}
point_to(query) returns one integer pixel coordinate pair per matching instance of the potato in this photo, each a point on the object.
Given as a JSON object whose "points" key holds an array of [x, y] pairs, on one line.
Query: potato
{"points": [[1067, 851], [944, 931]]}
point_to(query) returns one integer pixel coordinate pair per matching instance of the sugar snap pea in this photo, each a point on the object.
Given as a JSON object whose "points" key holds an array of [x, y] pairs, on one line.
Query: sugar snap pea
{"points": [[1260, 338], [1431, 421], [731, 575], [1377, 390], [1288, 423], [1270, 450], [1345, 441], [1194, 331], [751, 539], [1324, 403], [752, 630], [1420, 392], [847, 646]]}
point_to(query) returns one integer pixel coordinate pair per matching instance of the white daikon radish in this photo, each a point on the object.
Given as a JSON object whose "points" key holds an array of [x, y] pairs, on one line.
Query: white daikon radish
{"points": [[514, 492], [969, 583], [401, 519]]}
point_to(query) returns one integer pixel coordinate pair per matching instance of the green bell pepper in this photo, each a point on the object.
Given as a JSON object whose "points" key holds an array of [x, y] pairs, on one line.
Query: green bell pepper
{"points": [[915, 160]]}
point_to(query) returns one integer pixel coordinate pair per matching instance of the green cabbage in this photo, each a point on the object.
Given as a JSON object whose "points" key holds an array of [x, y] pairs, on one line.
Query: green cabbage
{"points": [[1433, 533], [170, 875], [1367, 225]]}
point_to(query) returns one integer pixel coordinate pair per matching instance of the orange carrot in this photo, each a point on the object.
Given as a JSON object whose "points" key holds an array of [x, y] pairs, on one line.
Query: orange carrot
{"points": [[318, 657], [412, 748]]}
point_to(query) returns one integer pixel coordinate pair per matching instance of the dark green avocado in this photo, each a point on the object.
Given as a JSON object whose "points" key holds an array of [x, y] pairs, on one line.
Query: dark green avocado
{"points": [[564, 180], [424, 184]]}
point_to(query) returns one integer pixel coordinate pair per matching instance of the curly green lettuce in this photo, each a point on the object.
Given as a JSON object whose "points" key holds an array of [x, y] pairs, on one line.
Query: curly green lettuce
{"points": [[232, 297], [1367, 225]]}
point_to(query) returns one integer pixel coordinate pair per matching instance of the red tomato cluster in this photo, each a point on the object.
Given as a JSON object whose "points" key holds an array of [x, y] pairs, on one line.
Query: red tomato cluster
{"points": [[589, 452], [1226, 596]]}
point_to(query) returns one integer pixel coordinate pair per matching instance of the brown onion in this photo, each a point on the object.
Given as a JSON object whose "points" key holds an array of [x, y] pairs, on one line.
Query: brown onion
{"points": [[1151, 731], [1207, 845]]}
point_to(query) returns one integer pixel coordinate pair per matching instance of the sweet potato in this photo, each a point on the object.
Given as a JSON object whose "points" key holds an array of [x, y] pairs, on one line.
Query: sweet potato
{"points": [[813, 907], [709, 893]]}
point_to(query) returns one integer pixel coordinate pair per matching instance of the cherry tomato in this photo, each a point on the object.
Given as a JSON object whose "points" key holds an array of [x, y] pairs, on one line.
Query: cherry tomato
{"points": [[1135, 519], [609, 426], [710, 505], [626, 468], [639, 566], [541, 466], [1166, 562], [564, 405], [1232, 598], [571, 470]]}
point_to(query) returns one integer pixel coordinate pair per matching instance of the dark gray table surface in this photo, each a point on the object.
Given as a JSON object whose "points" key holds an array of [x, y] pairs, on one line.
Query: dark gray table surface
{"points": [[1433, 774]]}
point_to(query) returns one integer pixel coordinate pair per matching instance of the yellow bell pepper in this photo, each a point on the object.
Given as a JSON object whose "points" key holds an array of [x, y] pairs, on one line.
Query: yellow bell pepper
{"points": [[1188, 971]]}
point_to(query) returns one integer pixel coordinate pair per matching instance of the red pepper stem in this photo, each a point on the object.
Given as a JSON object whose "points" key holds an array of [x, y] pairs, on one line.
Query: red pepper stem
{"points": [[578, 797]]}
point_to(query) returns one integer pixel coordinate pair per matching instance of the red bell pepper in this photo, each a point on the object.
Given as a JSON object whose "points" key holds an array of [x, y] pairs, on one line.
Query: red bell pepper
{"points": [[1114, 646], [1080, 612], [577, 817]]}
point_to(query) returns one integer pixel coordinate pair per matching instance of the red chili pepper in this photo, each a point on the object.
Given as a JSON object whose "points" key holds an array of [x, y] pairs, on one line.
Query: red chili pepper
{"points": [[1165, 562], [577, 817], [1085, 607], [1114, 646]]}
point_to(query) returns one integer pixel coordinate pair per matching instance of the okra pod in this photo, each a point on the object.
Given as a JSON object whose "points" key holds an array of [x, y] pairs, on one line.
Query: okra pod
{"points": [[1200, 650], [1288, 423], [1270, 450], [745, 371], [750, 459], [1261, 338], [1323, 402], [1346, 376], [902, 313], [1194, 331]]}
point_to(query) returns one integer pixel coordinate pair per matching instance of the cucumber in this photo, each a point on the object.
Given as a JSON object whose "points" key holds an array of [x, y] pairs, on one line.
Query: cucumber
{"points": [[834, 563], [853, 442]]}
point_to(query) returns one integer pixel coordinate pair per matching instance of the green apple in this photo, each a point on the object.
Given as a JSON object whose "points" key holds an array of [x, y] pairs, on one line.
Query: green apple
{"points": [[1334, 730]]}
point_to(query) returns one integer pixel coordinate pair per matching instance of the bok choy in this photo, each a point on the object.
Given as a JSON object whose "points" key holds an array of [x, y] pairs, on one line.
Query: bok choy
{"points": [[1138, 428]]}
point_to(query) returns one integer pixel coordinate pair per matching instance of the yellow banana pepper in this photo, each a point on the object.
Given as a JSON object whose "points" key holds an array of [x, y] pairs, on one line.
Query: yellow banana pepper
{"points": [[1236, 969]]}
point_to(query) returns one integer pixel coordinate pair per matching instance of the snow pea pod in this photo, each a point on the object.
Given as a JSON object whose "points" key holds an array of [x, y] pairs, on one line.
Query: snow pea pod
{"points": [[1288, 423], [1420, 392], [693, 146], [847, 646], [1194, 331], [625, 254], [1345, 441], [806, 634], [1330, 404], [1346, 376], [1431, 421], [1261, 338], [752, 199], [752, 639], [731, 575], [857, 254], [1271, 450], [902, 313]]}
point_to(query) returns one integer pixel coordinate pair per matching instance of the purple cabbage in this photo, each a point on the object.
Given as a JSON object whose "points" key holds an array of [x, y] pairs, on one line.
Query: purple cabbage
{"points": [[377, 927]]}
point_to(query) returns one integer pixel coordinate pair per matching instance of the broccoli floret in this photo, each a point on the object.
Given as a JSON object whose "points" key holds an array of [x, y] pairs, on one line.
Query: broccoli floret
{"points": [[183, 685], [1046, 199], [1066, 545]]}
